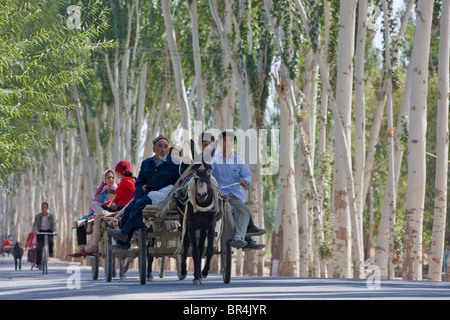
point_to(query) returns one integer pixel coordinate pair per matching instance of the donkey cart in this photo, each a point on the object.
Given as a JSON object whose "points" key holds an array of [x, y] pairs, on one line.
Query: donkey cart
{"points": [[164, 229]]}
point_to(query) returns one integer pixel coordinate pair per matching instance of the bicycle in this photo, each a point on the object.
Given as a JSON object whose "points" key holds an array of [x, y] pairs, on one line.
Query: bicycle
{"points": [[45, 251]]}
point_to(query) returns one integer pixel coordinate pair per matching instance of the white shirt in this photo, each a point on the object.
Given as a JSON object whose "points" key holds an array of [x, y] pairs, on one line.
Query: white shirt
{"points": [[45, 224], [230, 171]]}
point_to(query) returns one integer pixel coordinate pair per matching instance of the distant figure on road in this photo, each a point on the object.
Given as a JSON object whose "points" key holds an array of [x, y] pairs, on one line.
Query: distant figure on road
{"points": [[17, 253], [44, 222], [6, 248], [31, 245]]}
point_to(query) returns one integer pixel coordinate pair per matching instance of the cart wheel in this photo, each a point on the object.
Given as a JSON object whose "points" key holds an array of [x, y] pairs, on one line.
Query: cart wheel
{"points": [[44, 260], [94, 266], [225, 260], [163, 267], [109, 260], [142, 257]]}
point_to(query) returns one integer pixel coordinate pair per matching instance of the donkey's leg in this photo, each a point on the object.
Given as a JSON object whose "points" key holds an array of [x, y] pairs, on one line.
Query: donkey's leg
{"points": [[201, 243], [186, 243], [150, 244], [209, 250], [197, 257], [150, 258], [121, 273]]}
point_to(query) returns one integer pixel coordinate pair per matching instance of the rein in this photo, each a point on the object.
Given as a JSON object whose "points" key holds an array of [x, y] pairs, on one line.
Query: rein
{"points": [[230, 185]]}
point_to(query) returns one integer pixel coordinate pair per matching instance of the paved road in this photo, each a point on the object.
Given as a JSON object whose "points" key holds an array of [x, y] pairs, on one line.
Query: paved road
{"points": [[63, 279]]}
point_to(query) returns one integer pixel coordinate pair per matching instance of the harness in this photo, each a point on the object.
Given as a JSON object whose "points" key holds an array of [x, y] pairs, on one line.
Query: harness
{"points": [[191, 190], [190, 197]]}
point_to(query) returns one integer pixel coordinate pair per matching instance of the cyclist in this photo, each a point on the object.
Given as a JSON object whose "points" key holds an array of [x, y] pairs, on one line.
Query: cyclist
{"points": [[43, 222]]}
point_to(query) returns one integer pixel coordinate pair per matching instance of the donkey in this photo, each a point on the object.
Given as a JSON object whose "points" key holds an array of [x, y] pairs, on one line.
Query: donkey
{"points": [[17, 253], [201, 211]]}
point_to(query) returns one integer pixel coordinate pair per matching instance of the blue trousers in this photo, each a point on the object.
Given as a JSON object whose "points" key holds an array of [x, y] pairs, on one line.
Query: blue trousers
{"points": [[132, 216]]}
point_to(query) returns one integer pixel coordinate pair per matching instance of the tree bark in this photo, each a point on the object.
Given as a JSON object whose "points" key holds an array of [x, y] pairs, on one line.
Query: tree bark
{"points": [[84, 142], [385, 241], [287, 207], [177, 69], [415, 195], [239, 75], [345, 199], [440, 201], [192, 6], [343, 240]]}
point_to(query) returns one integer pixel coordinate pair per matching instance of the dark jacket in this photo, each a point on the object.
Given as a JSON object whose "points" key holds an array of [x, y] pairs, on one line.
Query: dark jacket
{"points": [[156, 178]]}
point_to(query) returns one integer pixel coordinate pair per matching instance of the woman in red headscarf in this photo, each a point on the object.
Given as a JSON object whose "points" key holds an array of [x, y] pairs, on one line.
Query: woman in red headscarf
{"points": [[125, 189], [124, 194]]}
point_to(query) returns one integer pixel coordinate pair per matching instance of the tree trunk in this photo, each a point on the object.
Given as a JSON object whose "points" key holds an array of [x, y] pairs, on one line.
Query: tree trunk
{"points": [[343, 239], [224, 111], [287, 207], [305, 154], [140, 114], [322, 144], [241, 80], [192, 6], [113, 76], [84, 142], [177, 69], [412, 263], [344, 199], [440, 201], [360, 109], [385, 242]]}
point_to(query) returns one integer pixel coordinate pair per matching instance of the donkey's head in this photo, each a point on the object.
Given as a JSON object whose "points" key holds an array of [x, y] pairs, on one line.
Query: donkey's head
{"points": [[201, 169], [202, 175]]}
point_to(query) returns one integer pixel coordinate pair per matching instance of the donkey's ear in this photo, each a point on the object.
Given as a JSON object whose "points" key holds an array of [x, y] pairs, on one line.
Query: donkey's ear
{"points": [[196, 157], [193, 149], [214, 147], [208, 154]]}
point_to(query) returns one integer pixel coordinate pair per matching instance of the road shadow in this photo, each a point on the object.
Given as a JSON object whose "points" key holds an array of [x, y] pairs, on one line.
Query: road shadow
{"points": [[59, 284]]}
